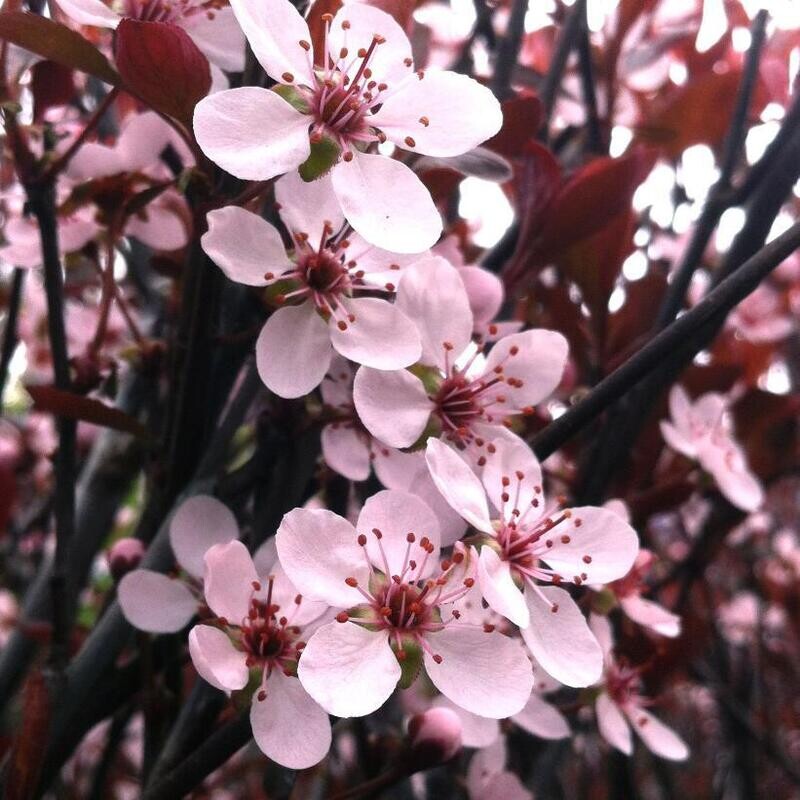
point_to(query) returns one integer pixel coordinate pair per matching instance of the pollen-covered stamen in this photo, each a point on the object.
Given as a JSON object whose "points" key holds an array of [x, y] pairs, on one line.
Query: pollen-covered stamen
{"points": [[170, 10], [623, 683]]}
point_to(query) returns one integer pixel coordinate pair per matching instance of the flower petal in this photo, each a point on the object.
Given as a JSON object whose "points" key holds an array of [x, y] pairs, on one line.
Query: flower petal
{"points": [[244, 246], [651, 615], [319, 550], [561, 641], [276, 719], [475, 731], [219, 38], [305, 206], [432, 295], [90, 12], [458, 484], [485, 292], [458, 112], [154, 603], [597, 534], [393, 406], [403, 220], [378, 334], [515, 462], [542, 719], [199, 523], [251, 132], [485, 673], [274, 29], [612, 724], [216, 660], [345, 451], [396, 514], [159, 226], [499, 590], [293, 351], [659, 738], [228, 583], [348, 670]]}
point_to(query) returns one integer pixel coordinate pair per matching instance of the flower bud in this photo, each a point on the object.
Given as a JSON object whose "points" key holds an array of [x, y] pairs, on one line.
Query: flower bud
{"points": [[434, 737], [124, 556]]}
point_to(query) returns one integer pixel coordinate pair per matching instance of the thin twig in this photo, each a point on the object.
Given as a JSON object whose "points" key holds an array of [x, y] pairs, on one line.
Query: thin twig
{"points": [[594, 133], [10, 334], [508, 51]]}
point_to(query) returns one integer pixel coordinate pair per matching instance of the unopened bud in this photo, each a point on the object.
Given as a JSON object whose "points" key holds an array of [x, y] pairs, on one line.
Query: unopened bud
{"points": [[434, 737], [124, 556]]}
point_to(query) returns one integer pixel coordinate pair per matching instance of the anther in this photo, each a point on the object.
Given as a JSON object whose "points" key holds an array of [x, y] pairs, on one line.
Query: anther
{"points": [[342, 616], [305, 45], [352, 582], [410, 142], [424, 121], [288, 77], [341, 325]]}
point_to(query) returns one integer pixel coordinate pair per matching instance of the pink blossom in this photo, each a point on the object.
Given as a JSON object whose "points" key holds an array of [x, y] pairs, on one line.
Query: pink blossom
{"points": [[385, 573], [260, 623], [620, 706], [761, 318], [366, 93], [325, 269], [470, 397], [530, 543], [488, 778], [156, 603], [212, 26], [702, 431]]}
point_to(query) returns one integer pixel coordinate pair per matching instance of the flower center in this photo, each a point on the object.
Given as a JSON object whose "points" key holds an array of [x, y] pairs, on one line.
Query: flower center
{"points": [[457, 405]]}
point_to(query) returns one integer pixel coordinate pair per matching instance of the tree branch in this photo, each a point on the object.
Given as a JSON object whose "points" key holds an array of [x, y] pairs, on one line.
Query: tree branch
{"points": [[10, 334]]}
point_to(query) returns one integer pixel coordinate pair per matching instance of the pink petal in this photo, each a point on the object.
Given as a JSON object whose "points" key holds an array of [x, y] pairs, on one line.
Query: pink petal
{"points": [[725, 460], [680, 407], [676, 440], [397, 469], [393, 406], [378, 334], [228, 583], [387, 62], [244, 246], [612, 724], [154, 603], [319, 550], [396, 514], [216, 660], [219, 38], [561, 641], [485, 673], [142, 140], [277, 719], [159, 227], [603, 537], [89, 12], [293, 351], [651, 615], [251, 132], [337, 388], [305, 206], [484, 767], [451, 523], [379, 266], [404, 220], [601, 628], [285, 594], [345, 451], [510, 459], [475, 731], [485, 292], [199, 523], [659, 738], [459, 114], [542, 719], [458, 484], [431, 293], [498, 588], [348, 670], [274, 29], [535, 358], [75, 232]]}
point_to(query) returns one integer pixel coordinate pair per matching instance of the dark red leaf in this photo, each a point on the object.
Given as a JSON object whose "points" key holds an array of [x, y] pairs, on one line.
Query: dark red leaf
{"points": [[52, 86], [317, 27], [522, 117], [86, 409], [400, 10], [55, 42], [162, 66]]}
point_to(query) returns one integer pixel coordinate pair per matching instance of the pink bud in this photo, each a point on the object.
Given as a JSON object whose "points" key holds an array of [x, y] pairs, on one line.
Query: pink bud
{"points": [[434, 737], [124, 556]]}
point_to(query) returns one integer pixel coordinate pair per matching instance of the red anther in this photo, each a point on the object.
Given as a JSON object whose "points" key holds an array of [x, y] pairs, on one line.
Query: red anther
{"points": [[401, 655], [256, 585], [408, 62], [528, 411], [362, 52], [262, 695], [362, 540], [282, 622], [341, 325], [348, 156], [343, 53], [424, 121], [298, 599], [520, 475], [410, 142], [548, 542], [469, 582], [446, 565], [342, 616], [447, 346], [351, 317], [577, 580], [501, 398], [482, 461], [457, 558], [367, 73], [378, 39], [268, 276], [488, 628], [424, 541], [456, 614], [504, 497], [505, 480], [642, 721], [360, 273], [280, 299], [565, 540], [378, 534], [305, 45], [396, 579], [584, 576], [386, 611], [557, 579], [587, 559], [412, 563], [382, 87], [554, 608], [513, 350], [345, 25], [578, 522], [410, 538], [222, 621], [493, 329], [437, 658], [389, 287], [491, 448], [300, 646], [352, 582], [288, 77]]}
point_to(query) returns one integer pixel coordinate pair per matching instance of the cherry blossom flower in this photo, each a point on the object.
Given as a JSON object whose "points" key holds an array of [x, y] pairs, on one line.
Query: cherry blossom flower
{"points": [[210, 23], [259, 626], [469, 398], [367, 92], [702, 431], [620, 706], [320, 314], [154, 602], [530, 543], [488, 778], [386, 576]]}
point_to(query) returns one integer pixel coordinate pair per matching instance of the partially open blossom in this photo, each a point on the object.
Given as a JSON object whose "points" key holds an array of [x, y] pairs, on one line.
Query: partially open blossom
{"points": [[470, 398], [530, 543], [124, 556], [434, 737], [702, 430], [259, 626], [319, 312], [366, 92], [620, 705], [385, 575]]}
